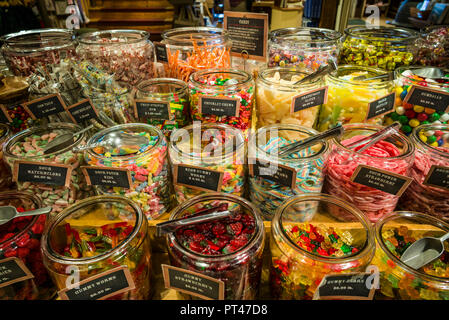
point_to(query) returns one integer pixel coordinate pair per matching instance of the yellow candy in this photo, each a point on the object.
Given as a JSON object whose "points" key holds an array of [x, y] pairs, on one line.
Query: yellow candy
{"points": [[413, 123], [434, 144], [423, 138], [418, 109], [429, 110]]}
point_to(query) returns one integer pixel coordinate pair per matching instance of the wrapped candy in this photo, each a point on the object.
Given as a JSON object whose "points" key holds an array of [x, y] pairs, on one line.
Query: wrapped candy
{"points": [[433, 47]]}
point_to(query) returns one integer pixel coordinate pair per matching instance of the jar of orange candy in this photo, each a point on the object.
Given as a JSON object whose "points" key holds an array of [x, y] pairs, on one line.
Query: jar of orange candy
{"points": [[191, 49]]}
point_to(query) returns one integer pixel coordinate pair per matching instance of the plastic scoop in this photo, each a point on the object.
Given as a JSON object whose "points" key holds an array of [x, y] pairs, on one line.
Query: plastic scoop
{"points": [[424, 251], [296, 146], [115, 140], [63, 141], [8, 213], [173, 225], [375, 137], [322, 70]]}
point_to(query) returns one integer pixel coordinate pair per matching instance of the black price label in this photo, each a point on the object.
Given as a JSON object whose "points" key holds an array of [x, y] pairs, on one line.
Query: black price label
{"points": [[148, 109], [198, 178], [161, 52], [309, 99], [110, 177], [438, 177], [82, 111], [37, 172], [101, 286], [219, 106], [350, 286], [382, 180], [44, 107], [13, 270], [278, 173], [381, 106], [248, 32], [193, 283], [428, 98], [4, 115]]}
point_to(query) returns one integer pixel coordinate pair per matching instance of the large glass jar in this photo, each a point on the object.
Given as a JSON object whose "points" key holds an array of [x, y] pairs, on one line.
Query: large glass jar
{"points": [[231, 248], [348, 99], [128, 55], [96, 237], [298, 264], [433, 47], [205, 158], [191, 49], [384, 47], [428, 193], [172, 94], [28, 145], [6, 182], [275, 94], [27, 51], [394, 155], [147, 164], [222, 96], [394, 233], [20, 239], [305, 167], [412, 110], [307, 48]]}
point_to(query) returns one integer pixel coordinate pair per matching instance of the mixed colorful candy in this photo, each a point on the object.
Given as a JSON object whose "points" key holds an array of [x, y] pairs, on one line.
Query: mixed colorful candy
{"points": [[433, 47]]}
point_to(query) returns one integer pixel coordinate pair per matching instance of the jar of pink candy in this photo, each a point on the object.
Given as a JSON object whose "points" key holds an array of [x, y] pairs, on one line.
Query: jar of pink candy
{"points": [[26, 51], [372, 179], [429, 192], [126, 54]]}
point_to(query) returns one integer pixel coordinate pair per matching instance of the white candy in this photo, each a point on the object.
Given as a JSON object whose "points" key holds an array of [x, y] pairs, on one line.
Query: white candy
{"points": [[429, 133], [400, 110], [437, 122], [444, 117]]}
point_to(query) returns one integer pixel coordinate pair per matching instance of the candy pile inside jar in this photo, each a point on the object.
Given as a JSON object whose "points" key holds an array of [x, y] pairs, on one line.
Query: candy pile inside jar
{"points": [[409, 115], [433, 47]]}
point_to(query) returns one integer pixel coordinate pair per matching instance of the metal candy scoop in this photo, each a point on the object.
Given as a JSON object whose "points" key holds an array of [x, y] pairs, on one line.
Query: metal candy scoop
{"points": [[424, 251], [387, 76], [322, 70], [8, 213], [115, 140], [430, 72], [375, 137], [63, 141]]}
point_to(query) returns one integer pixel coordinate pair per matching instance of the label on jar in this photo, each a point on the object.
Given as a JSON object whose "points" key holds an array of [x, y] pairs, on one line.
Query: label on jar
{"points": [[144, 109], [249, 34], [275, 172], [13, 270], [161, 52], [4, 115], [44, 107], [109, 177], [428, 98], [193, 283], [348, 286], [381, 106], [38, 172], [198, 178], [219, 106], [100, 286], [438, 176], [82, 111], [309, 99], [382, 180]]}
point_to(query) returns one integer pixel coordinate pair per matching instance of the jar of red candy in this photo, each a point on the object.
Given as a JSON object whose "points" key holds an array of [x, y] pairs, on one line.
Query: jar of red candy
{"points": [[429, 191], [377, 167], [229, 249], [307, 48], [126, 54], [223, 96], [26, 51], [433, 47], [20, 239], [102, 244], [307, 246]]}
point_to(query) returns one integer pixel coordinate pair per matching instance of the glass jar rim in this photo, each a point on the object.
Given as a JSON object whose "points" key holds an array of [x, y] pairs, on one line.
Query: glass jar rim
{"points": [[19, 137], [96, 35], [201, 73], [262, 76], [435, 27], [259, 230], [366, 126], [205, 126], [398, 34], [5, 131], [290, 127], [398, 75], [20, 195], [408, 214], [277, 227], [56, 220], [180, 86], [144, 126], [332, 36], [416, 131], [335, 76], [216, 35], [64, 35]]}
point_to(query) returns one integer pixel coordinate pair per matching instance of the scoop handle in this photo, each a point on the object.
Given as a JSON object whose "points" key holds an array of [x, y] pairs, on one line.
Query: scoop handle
{"points": [[445, 237], [373, 138], [36, 212]]}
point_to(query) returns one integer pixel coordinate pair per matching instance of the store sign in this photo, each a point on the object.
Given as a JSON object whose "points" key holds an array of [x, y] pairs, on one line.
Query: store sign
{"points": [[198, 178], [44, 107], [38, 172], [428, 98], [219, 106], [381, 106], [438, 176], [13, 270], [109, 177], [280, 174], [309, 99], [350, 286], [161, 52], [149, 109], [82, 111], [4, 115]]}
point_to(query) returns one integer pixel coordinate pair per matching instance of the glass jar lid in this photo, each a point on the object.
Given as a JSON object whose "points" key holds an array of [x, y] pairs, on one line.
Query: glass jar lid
{"points": [[324, 228], [300, 36], [114, 37], [421, 136], [384, 34], [38, 40], [187, 36]]}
